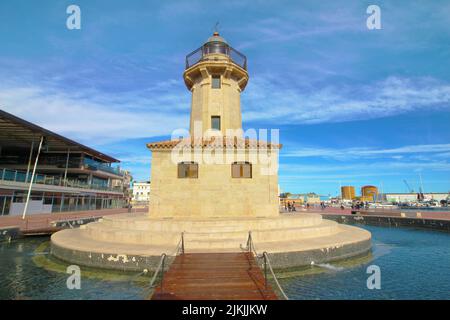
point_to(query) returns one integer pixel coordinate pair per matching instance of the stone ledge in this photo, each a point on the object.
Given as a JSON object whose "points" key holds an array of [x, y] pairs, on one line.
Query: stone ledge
{"points": [[279, 260], [389, 221], [282, 260], [106, 260]]}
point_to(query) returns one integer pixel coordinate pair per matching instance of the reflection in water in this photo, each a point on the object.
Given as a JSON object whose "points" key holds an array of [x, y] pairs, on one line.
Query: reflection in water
{"points": [[330, 267], [21, 278], [414, 264]]}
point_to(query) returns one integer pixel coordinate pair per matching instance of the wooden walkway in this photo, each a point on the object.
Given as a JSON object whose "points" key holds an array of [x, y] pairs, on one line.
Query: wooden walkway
{"points": [[214, 276], [41, 223]]}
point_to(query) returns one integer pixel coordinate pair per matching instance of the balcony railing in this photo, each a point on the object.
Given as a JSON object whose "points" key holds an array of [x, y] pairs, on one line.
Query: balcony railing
{"points": [[21, 176], [95, 165], [201, 54]]}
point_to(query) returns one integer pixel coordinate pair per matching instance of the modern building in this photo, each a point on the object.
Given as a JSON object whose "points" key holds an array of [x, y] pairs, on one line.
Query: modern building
{"points": [[347, 192], [68, 177], [141, 193]]}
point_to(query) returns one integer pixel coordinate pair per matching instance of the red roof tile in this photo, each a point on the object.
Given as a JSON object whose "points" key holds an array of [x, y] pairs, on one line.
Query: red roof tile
{"points": [[214, 142]]}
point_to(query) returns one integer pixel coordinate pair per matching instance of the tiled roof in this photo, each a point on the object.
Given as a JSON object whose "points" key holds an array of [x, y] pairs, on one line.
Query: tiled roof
{"points": [[214, 142]]}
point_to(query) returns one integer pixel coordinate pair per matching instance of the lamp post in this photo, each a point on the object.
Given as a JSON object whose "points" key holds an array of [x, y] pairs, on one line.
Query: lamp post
{"points": [[32, 178]]}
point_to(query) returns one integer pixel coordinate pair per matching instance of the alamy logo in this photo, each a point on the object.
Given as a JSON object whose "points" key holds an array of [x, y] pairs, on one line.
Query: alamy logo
{"points": [[374, 280], [74, 280], [374, 20], [74, 20]]}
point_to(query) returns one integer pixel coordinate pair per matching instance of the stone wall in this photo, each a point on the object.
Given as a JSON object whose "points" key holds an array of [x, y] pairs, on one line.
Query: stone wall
{"points": [[214, 193]]}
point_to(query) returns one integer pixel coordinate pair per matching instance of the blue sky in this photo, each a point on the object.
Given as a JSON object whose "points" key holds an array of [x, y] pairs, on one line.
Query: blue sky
{"points": [[354, 106]]}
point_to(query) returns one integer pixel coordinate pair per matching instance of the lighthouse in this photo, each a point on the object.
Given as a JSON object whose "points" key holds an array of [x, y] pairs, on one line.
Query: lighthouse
{"points": [[216, 74], [211, 190], [221, 172]]}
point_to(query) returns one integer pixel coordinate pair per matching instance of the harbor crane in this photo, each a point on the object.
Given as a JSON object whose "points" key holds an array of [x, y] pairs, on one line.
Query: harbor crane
{"points": [[408, 186]]}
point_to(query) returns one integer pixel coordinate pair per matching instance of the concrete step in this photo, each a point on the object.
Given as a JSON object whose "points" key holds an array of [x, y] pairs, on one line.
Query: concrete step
{"points": [[219, 224], [102, 232]]}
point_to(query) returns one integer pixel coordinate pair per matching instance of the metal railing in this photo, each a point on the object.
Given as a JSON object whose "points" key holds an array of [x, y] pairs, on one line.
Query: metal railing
{"points": [[201, 54], [158, 270], [21, 176], [179, 249], [250, 247], [95, 165]]}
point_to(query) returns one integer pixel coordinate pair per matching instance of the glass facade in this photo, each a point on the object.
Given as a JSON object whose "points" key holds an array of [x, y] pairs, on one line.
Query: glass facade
{"points": [[64, 202], [96, 165], [80, 181]]}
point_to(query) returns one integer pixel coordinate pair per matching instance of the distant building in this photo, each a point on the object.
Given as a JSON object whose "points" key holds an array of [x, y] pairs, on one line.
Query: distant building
{"points": [[301, 198], [69, 176], [141, 192], [125, 185], [413, 197]]}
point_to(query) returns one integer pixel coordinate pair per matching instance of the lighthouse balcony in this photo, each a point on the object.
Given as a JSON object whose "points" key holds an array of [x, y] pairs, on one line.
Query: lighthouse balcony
{"points": [[210, 51]]}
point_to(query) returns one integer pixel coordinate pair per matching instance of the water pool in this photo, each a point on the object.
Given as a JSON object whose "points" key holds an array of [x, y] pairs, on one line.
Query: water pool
{"points": [[415, 264]]}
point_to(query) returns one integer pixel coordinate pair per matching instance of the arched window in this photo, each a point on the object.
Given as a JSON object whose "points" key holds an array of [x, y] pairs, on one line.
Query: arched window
{"points": [[241, 170], [188, 169]]}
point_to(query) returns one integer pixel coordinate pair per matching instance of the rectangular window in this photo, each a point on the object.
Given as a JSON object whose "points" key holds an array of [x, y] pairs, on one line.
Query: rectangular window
{"points": [[241, 170], [188, 170], [215, 122], [215, 82]]}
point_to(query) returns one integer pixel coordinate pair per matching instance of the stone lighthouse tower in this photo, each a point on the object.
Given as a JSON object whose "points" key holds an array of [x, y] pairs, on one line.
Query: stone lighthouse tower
{"points": [[216, 74], [218, 171]]}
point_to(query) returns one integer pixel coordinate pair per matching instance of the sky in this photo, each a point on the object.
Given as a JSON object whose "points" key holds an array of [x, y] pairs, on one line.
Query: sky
{"points": [[354, 106]]}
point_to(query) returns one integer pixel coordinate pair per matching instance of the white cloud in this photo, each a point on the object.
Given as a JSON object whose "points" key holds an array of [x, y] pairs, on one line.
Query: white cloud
{"points": [[371, 168], [268, 101], [353, 153], [295, 23], [94, 117]]}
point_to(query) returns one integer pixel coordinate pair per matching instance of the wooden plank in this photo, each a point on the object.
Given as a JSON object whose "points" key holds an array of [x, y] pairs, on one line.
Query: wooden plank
{"points": [[214, 276]]}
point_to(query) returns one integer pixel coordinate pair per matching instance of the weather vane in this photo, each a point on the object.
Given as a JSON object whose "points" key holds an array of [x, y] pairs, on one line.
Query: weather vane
{"points": [[216, 27]]}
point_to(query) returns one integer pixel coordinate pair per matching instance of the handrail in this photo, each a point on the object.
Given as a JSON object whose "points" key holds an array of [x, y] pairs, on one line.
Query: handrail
{"points": [[267, 261], [160, 266], [200, 54], [250, 247], [179, 249]]}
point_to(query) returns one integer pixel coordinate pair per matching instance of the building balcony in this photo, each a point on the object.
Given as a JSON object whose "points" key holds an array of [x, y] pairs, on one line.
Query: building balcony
{"points": [[11, 176], [95, 165]]}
